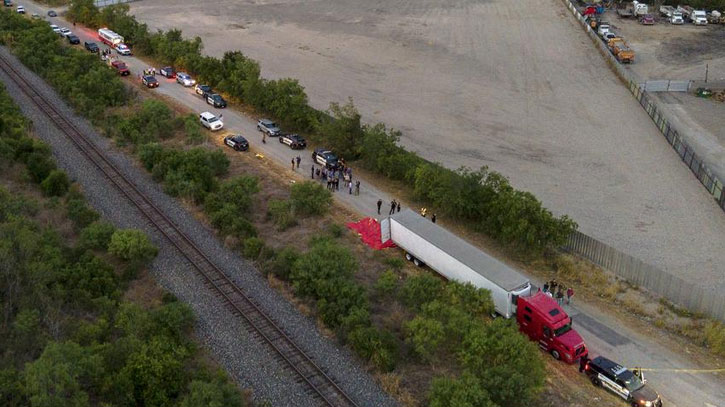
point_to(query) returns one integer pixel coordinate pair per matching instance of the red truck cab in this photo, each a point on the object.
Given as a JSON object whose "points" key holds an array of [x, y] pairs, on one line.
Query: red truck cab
{"points": [[544, 321]]}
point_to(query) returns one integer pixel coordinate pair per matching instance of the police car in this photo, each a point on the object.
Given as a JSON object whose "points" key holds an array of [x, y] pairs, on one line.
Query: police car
{"points": [[621, 381], [325, 157], [292, 140], [237, 142]]}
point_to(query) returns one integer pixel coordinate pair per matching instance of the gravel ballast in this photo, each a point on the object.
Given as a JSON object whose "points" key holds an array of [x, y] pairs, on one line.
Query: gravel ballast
{"points": [[247, 360]]}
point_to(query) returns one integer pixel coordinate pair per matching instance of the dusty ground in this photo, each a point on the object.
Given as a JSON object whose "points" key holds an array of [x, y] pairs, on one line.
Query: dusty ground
{"points": [[666, 51], [471, 83]]}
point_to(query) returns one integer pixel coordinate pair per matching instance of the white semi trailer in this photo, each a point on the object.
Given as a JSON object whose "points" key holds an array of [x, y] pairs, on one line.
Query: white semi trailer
{"points": [[427, 243]]}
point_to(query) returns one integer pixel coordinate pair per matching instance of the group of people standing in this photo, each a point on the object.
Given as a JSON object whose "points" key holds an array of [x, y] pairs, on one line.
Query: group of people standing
{"points": [[333, 177], [558, 291]]}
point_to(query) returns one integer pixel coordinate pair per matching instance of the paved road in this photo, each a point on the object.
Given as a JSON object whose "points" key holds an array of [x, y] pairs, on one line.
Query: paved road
{"points": [[604, 334]]}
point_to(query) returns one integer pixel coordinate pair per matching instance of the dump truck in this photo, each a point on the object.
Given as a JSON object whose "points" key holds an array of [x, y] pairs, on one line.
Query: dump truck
{"points": [[714, 17], [673, 15], [633, 9], [621, 50], [539, 316]]}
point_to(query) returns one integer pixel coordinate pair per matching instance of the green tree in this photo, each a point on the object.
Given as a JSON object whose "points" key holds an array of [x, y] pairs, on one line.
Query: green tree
{"points": [[342, 130], [132, 245], [386, 283], [79, 212], [466, 391], [314, 273], [424, 335], [376, 346], [310, 198], [420, 289], [508, 364], [281, 214], [96, 236], [55, 184], [212, 394]]}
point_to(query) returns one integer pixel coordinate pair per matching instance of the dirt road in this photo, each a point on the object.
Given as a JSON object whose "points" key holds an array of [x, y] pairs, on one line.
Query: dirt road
{"points": [[605, 334]]}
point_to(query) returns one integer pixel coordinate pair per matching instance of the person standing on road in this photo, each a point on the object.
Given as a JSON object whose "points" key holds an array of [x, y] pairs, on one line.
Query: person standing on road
{"points": [[583, 363], [312, 172], [298, 159], [349, 185], [569, 294], [398, 204], [433, 218], [546, 287], [357, 187], [559, 297], [293, 164], [380, 203], [392, 207]]}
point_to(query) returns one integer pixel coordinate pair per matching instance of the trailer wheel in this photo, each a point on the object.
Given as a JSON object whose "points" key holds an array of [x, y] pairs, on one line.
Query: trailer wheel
{"points": [[555, 354], [408, 257], [417, 262]]}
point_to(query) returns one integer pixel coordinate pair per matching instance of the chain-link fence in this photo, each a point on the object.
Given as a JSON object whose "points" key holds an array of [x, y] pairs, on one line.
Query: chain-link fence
{"points": [[689, 295], [103, 3]]}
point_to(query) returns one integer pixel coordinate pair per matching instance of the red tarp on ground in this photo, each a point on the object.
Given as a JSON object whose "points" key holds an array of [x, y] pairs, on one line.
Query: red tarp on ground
{"points": [[369, 231]]}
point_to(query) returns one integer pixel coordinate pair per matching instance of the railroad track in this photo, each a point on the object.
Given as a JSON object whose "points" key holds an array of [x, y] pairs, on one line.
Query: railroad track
{"points": [[319, 385]]}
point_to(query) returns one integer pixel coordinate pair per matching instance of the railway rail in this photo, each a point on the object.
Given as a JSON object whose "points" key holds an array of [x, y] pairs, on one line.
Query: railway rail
{"points": [[319, 384]]}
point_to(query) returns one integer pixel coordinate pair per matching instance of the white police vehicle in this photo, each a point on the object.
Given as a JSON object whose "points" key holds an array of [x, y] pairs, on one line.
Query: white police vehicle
{"points": [[628, 385]]}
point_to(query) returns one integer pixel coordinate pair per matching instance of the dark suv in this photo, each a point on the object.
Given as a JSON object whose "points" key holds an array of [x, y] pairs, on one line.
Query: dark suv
{"points": [[293, 140], [325, 157], [91, 46], [628, 385], [215, 100]]}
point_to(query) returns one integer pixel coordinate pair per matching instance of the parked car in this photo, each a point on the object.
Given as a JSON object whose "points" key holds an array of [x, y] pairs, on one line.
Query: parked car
{"points": [[150, 81], [122, 49], [325, 157], [269, 127], [91, 46], [52, 13], [121, 68], [35, 16], [608, 36], [202, 89], [211, 122], [647, 19], [629, 385], [185, 79], [20, 10], [237, 142], [65, 32], [293, 140], [73, 39], [215, 100], [55, 28], [168, 72]]}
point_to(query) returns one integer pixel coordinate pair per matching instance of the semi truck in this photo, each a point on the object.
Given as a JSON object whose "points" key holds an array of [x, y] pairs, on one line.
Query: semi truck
{"points": [[673, 15], [540, 317]]}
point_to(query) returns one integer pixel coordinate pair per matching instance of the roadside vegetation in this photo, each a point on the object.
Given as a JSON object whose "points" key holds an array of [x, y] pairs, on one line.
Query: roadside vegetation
{"points": [[431, 342], [72, 331]]}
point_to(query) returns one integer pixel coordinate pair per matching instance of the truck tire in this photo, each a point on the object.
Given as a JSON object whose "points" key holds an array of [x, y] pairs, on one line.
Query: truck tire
{"points": [[408, 256], [555, 354], [595, 381], [418, 263]]}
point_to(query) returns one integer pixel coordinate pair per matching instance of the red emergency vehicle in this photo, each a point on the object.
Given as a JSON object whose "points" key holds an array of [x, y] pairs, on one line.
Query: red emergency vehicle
{"points": [[544, 321]]}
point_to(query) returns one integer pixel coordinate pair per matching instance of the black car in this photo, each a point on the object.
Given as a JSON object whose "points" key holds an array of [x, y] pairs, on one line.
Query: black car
{"points": [[325, 157], [237, 142], [215, 100], [628, 385], [52, 13], [202, 90], [73, 39], [150, 81], [91, 46], [293, 140]]}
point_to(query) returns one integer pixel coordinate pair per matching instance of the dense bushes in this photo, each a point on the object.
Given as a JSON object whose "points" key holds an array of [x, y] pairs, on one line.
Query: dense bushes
{"points": [[78, 76], [310, 198], [229, 207]]}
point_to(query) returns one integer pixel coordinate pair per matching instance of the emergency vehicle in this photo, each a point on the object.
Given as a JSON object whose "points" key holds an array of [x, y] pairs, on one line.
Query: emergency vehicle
{"points": [[628, 385], [544, 321], [109, 37]]}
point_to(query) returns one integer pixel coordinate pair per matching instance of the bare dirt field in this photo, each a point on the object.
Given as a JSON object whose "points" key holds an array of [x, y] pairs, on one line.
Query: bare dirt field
{"points": [[512, 84], [666, 51]]}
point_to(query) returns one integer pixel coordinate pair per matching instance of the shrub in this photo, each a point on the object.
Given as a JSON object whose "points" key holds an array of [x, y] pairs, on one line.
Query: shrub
{"points": [[132, 245], [338, 298], [326, 262], [396, 263], [335, 230], [464, 391], [193, 130], [252, 247], [283, 261], [310, 198], [424, 335], [715, 337], [80, 213], [376, 346], [387, 283], [39, 165], [281, 214], [421, 289], [56, 184], [97, 235]]}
